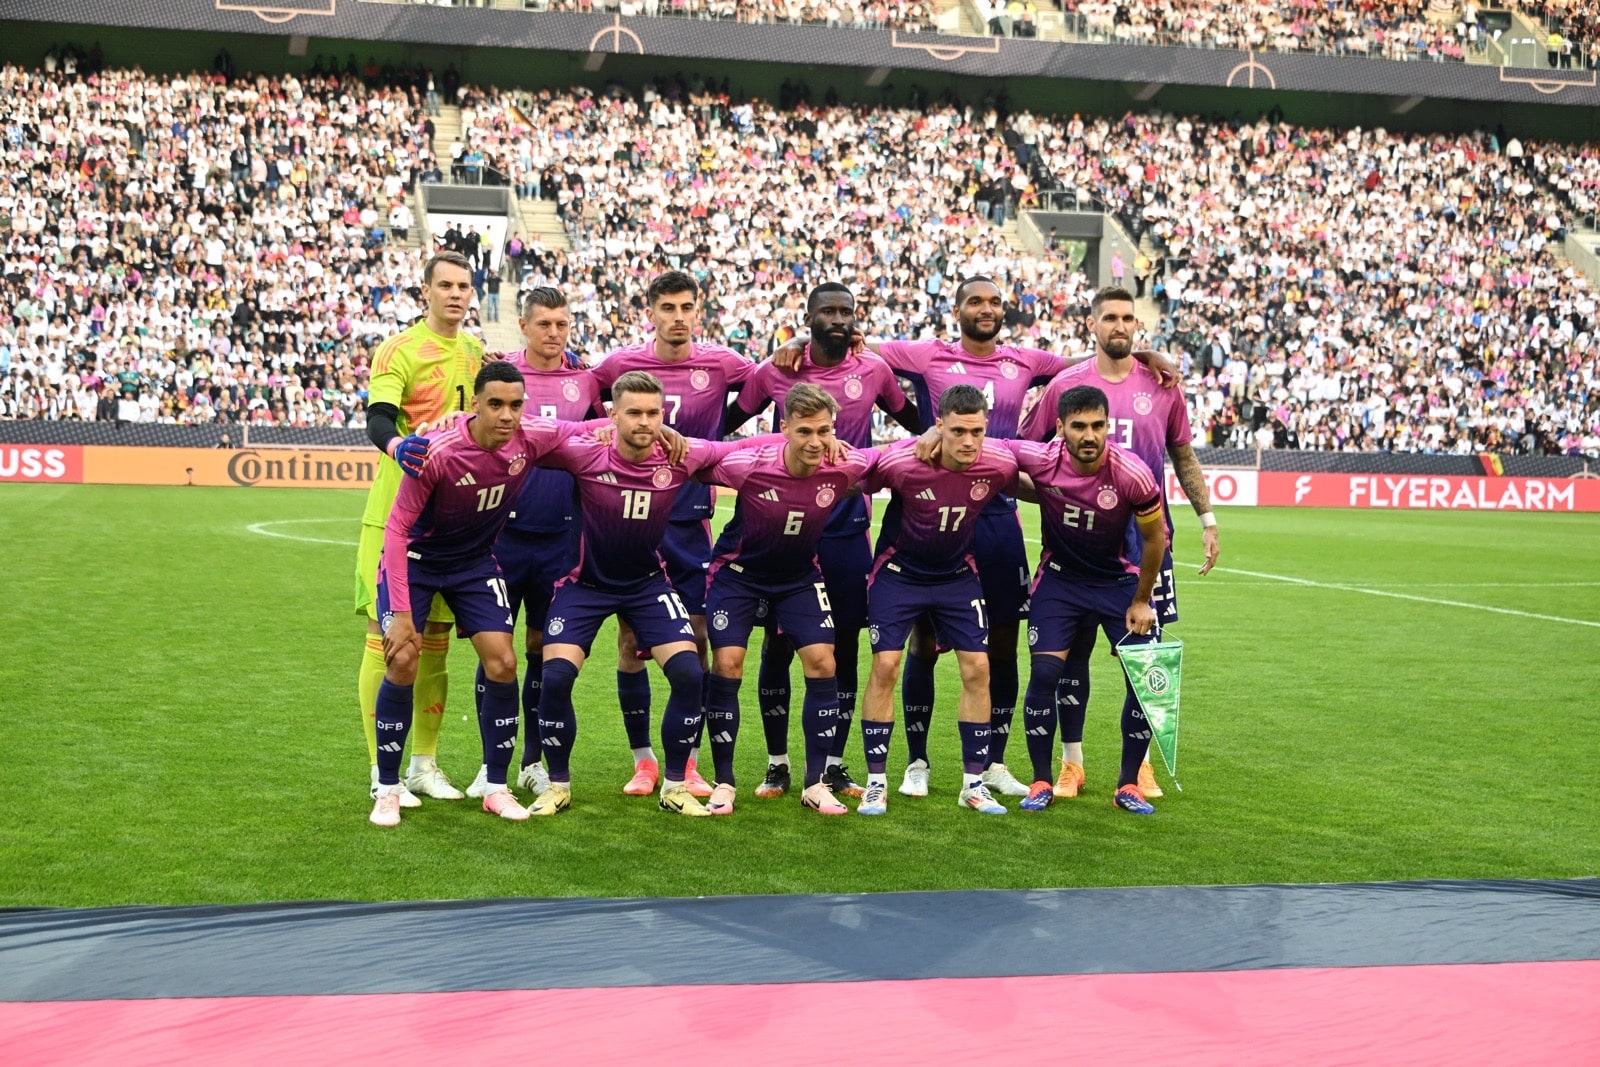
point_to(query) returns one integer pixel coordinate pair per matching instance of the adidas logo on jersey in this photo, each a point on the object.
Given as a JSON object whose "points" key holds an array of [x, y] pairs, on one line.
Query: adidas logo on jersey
{"points": [[926, 494], [957, 368], [770, 494], [607, 477], [467, 479]]}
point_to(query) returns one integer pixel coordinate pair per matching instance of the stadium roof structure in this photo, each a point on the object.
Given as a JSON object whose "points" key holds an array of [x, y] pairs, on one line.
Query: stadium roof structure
{"points": [[1410, 972], [873, 50]]}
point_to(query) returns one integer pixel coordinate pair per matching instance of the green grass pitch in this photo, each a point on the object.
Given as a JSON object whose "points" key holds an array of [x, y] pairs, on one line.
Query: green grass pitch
{"points": [[178, 682]]}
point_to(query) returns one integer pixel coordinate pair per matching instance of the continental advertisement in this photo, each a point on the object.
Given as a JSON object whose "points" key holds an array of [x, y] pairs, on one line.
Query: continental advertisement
{"points": [[310, 468], [277, 468]]}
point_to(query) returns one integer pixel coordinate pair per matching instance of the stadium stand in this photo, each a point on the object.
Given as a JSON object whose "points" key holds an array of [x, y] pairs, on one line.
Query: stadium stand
{"points": [[1331, 289], [1397, 30]]}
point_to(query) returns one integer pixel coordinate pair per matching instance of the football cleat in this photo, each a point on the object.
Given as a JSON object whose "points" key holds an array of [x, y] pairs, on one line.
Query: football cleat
{"points": [[820, 799], [430, 781], [696, 785], [680, 801], [480, 788], [386, 808], [1147, 781], [840, 784], [915, 783], [502, 803], [977, 798], [721, 802], [776, 783], [999, 780], [1070, 781], [552, 801], [1041, 796], [1131, 800], [408, 799], [533, 778], [646, 776], [875, 800]]}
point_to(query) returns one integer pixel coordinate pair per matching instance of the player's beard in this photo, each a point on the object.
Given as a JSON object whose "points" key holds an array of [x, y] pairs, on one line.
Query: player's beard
{"points": [[1118, 347], [834, 346], [972, 330]]}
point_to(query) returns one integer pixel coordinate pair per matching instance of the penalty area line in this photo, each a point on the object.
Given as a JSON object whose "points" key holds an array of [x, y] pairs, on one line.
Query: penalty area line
{"points": [[262, 529]]}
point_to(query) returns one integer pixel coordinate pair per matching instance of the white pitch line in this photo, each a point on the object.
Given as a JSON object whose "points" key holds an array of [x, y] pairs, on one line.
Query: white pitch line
{"points": [[1409, 596], [261, 529]]}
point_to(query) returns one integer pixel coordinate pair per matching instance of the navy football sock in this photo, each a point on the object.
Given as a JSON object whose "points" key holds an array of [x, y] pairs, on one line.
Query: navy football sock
{"points": [[773, 682], [497, 723], [1003, 704], [846, 670], [683, 717], [394, 723], [1039, 714], [1135, 739], [819, 717], [532, 685], [1072, 697], [633, 695], [722, 722], [875, 744], [916, 701], [974, 746], [558, 727]]}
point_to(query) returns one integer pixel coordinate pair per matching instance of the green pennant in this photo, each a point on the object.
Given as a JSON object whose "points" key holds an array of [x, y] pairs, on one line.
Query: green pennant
{"points": [[1155, 671]]}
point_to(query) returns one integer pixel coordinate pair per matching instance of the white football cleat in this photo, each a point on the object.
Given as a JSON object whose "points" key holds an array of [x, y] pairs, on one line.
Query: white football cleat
{"points": [[430, 781], [534, 778], [915, 783], [999, 780], [408, 799]]}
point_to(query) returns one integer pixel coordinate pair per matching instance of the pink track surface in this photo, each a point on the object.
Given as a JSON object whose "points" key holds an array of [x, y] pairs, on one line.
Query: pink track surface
{"points": [[1519, 1013]]}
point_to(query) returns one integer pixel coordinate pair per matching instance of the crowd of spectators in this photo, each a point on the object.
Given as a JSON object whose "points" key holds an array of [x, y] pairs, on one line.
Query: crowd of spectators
{"points": [[1392, 29], [201, 249], [906, 15], [1574, 28], [1354, 289], [196, 248]]}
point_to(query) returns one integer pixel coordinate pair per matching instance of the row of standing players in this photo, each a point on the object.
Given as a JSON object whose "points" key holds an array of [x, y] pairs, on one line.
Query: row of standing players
{"points": [[931, 538]]}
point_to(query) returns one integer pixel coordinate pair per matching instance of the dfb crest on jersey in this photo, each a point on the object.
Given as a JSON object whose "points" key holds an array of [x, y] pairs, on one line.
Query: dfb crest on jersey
{"points": [[1033, 636], [662, 477], [825, 496], [569, 389], [980, 489], [518, 462], [555, 626], [1142, 404], [720, 620], [1107, 498], [699, 379], [852, 387], [1008, 368]]}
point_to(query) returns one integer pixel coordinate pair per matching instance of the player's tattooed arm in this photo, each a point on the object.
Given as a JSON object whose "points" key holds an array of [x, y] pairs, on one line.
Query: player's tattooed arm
{"points": [[1187, 469]]}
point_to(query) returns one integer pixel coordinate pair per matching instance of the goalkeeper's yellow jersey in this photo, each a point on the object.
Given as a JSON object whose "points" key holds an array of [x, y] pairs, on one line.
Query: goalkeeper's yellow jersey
{"points": [[425, 376]]}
